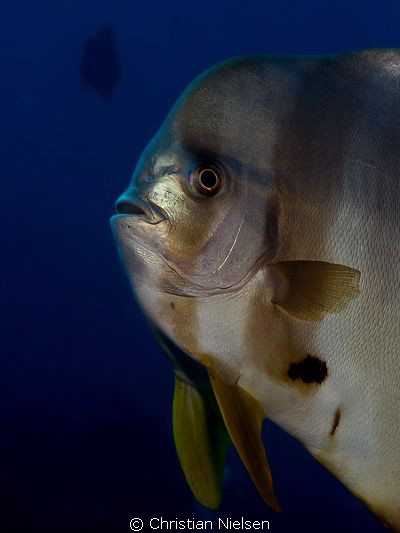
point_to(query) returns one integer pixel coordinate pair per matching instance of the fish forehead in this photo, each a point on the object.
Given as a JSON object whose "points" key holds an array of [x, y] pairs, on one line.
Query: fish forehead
{"points": [[243, 107], [233, 109]]}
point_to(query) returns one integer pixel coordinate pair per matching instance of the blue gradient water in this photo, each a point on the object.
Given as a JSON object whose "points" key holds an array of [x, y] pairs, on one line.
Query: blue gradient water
{"points": [[85, 393]]}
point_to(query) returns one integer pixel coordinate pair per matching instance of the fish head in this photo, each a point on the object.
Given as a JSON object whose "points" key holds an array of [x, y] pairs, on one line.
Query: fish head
{"points": [[200, 215], [199, 212]]}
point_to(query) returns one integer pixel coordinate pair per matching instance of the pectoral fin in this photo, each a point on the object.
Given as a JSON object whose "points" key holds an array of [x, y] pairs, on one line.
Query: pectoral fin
{"points": [[309, 290], [201, 441], [243, 417]]}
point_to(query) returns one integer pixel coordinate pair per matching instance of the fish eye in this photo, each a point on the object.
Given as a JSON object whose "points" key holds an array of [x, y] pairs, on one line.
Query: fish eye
{"points": [[206, 180]]}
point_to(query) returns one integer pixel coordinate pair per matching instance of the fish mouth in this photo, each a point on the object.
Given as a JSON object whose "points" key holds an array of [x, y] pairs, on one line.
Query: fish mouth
{"points": [[129, 204]]}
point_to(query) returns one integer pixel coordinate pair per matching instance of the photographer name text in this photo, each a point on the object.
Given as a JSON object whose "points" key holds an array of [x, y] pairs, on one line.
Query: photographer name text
{"points": [[223, 524]]}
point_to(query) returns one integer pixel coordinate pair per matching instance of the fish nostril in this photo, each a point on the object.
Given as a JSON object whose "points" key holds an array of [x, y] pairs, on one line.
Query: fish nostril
{"points": [[129, 208]]}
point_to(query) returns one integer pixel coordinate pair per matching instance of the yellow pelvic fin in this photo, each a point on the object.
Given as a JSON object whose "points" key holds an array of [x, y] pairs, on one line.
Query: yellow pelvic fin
{"points": [[309, 290], [201, 441], [243, 418]]}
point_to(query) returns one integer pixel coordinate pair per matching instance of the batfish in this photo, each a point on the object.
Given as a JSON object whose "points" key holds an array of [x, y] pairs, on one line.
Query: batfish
{"points": [[261, 236], [99, 63]]}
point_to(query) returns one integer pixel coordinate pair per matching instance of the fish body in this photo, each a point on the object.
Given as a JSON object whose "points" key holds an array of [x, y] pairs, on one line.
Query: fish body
{"points": [[260, 233]]}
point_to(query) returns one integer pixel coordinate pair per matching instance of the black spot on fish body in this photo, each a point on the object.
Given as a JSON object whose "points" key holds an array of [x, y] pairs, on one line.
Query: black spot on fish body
{"points": [[336, 421], [99, 63], [310, 370]]}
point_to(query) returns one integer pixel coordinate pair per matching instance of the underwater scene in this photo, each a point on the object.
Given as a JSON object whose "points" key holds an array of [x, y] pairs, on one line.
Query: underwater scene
{"points": [[199, 233]]}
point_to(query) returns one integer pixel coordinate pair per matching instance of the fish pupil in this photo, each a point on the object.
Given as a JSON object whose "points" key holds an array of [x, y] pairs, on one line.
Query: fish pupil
{"points": [[208, 179]]}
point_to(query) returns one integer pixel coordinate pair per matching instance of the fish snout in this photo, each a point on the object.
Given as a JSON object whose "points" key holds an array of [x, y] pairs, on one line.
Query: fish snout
{"points": [[129, 203]]}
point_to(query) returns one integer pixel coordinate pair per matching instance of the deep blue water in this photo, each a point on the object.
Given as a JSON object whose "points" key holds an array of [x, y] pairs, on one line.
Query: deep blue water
{"points": [[85, 393]]}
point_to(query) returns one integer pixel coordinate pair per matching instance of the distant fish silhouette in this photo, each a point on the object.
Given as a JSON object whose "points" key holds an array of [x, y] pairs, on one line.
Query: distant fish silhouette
{"points": [[99, 64]]}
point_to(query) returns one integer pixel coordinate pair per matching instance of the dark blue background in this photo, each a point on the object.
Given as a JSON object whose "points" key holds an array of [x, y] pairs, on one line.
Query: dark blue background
{"points": [[85, 394]]}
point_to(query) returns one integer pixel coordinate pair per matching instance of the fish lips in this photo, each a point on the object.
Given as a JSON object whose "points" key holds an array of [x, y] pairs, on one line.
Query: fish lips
{"points": [[131, 203]]}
